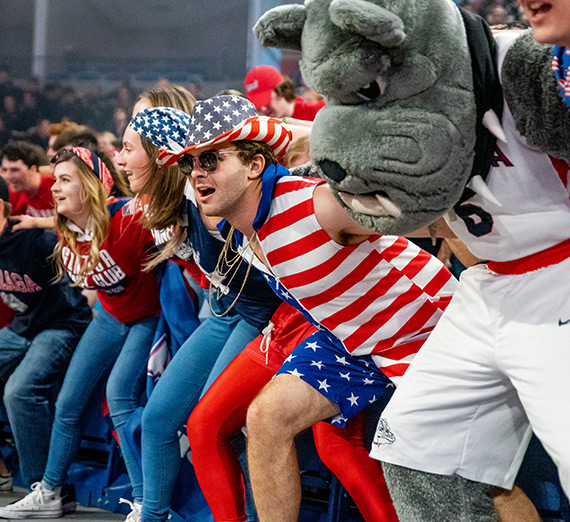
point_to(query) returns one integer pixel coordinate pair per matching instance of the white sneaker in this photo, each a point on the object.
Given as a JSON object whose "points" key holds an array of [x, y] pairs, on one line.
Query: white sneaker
{"points": [[40, 503], [6, 482], [136, 508]]}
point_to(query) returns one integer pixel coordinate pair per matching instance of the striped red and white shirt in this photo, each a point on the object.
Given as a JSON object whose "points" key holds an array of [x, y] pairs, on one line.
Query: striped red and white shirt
{"points": [[381, 297]]}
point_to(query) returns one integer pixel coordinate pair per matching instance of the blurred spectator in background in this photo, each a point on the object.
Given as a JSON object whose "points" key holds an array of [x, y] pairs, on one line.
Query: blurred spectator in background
{"points": [[494, 11], [497, 15], [10, 112], [30, 191], [274, 95], [4, 133], [55, 129], [311, 95], [120, 121], [7, 87], [108, 143]]}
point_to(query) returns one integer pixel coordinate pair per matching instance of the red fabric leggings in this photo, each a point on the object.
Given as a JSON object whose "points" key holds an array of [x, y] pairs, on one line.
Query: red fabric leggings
{"points": [[221, 413], [344, 452]]}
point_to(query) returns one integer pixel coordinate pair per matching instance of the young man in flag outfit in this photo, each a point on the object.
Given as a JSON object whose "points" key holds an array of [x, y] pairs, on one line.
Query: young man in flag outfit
{"points": [[374, 299]]}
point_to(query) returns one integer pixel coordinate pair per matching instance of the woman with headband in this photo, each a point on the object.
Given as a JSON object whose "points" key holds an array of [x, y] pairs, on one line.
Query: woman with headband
{"points": [[103, 247]]}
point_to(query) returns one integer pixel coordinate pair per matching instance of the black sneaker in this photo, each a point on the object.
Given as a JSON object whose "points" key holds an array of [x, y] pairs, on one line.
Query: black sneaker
{"points": [[68, 504]]}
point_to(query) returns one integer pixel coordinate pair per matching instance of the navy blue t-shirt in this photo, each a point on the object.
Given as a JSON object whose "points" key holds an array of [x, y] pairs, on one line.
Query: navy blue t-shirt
{"points": [[256, 302], [27, 286]]}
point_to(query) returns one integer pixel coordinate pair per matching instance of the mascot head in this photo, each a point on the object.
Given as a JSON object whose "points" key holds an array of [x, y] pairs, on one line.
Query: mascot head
{"points": [[396, 138]]}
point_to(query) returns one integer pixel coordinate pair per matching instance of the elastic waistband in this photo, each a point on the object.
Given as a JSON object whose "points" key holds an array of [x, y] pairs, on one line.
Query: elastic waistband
{"points": [[551, 256]]}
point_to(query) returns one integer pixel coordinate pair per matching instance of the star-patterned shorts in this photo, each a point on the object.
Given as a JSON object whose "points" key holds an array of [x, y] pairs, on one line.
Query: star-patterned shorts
{"points": [[350, 382]]}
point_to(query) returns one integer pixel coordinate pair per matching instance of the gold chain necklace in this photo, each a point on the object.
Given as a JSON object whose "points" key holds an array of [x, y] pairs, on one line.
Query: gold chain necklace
{"points": [[236, 262]]}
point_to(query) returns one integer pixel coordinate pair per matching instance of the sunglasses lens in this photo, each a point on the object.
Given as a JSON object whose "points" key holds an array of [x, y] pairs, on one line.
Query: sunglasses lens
{"points": [[209, 161], [186, 164]]}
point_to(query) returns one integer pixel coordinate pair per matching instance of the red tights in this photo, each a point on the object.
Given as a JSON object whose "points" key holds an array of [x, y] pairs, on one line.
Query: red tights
{"points": [[221, 413], [344, 452]]}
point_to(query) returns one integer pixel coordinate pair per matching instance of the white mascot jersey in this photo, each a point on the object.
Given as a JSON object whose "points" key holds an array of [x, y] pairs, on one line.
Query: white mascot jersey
{"points": [[534, 194]]}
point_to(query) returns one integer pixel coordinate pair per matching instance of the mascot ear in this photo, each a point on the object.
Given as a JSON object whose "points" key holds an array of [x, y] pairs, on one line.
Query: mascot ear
{"points": [[281, 27], [369, 20]]}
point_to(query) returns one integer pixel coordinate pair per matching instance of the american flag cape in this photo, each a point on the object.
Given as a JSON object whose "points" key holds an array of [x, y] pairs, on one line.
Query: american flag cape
{"points": [[381, 297]]}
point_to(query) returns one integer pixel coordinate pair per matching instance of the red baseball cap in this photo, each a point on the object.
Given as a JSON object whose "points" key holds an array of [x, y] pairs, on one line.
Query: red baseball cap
{"points": [[259, 83]]}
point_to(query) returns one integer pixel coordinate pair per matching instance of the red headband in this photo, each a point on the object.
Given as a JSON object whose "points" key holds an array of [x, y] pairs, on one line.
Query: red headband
{"points": [[95, 163]]}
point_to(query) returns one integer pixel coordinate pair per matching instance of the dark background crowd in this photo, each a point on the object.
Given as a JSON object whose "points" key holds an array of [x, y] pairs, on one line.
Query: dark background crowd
{"points": [[27, 106]]}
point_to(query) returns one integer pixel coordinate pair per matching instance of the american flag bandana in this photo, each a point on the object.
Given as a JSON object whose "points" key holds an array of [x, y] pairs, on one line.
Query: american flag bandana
{"points": [[164, 127], [561, 68], [229, 118], [95, 163]]}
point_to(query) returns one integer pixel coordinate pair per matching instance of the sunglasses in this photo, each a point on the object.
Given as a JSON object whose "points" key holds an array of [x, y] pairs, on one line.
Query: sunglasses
{"points": [[208, 161]]}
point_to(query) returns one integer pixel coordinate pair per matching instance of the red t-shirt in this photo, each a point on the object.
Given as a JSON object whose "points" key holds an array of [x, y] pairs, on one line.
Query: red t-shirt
{"points": [[306, 110], [125, 291], [39, 204]]}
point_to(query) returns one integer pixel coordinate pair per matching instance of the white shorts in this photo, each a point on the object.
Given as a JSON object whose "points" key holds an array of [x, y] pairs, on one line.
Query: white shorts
{"points": [[499, 357]]}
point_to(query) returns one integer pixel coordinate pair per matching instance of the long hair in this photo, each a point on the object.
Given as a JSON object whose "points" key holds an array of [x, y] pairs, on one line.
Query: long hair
{"points": [[84, 136], [94, 197], [164, 187]]}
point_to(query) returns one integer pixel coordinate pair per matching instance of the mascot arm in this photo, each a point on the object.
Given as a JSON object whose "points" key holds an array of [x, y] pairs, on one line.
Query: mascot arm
{"points": [[534, 98]]}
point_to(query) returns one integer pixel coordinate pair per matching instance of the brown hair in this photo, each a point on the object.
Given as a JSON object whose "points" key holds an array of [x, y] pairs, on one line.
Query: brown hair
{"points": [[76, 135], [172, 95], [286, 89], [249, 149], [165, 185], [55, 129]]}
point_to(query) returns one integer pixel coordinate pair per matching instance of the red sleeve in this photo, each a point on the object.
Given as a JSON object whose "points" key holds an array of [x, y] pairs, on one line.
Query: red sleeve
{"points": [[306, 110], [6, 315], [18, 201]]}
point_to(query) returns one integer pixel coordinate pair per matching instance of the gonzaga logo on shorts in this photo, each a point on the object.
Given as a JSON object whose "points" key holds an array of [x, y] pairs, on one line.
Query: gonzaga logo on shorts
{"points": [[384, 434]]}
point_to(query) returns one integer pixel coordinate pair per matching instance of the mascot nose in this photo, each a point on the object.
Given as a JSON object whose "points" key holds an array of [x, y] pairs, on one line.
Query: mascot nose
{"points": [[332, 170]]}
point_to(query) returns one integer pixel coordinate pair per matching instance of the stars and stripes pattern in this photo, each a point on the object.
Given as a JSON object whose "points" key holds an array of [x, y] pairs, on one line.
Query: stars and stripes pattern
{"points": [[381, 297], [561, 68], [353, 383], [164, 127], [229, 118]]}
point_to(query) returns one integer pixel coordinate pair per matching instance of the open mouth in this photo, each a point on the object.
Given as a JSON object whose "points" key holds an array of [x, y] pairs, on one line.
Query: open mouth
{"points": [[376, 204], [205, 192]]}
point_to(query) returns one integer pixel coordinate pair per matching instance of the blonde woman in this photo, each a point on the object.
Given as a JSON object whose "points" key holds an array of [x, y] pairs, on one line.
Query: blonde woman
{"points": [[103, 247]]}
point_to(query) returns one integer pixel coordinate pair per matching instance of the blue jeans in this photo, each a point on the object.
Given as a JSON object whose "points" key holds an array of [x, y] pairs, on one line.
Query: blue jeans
{"points": [[35, 368], [176, 394], [110, 349]]}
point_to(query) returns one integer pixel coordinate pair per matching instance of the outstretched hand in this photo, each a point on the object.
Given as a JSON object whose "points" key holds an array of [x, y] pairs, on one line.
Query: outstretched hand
{"points": [[25, 221]]}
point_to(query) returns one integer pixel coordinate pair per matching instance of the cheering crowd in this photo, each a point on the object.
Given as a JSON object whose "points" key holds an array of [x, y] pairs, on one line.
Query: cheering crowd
{"points": [[291, 315]]}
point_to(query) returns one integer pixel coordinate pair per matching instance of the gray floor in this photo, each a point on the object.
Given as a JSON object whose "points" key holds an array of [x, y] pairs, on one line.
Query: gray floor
{"points": [[86, 514]]}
